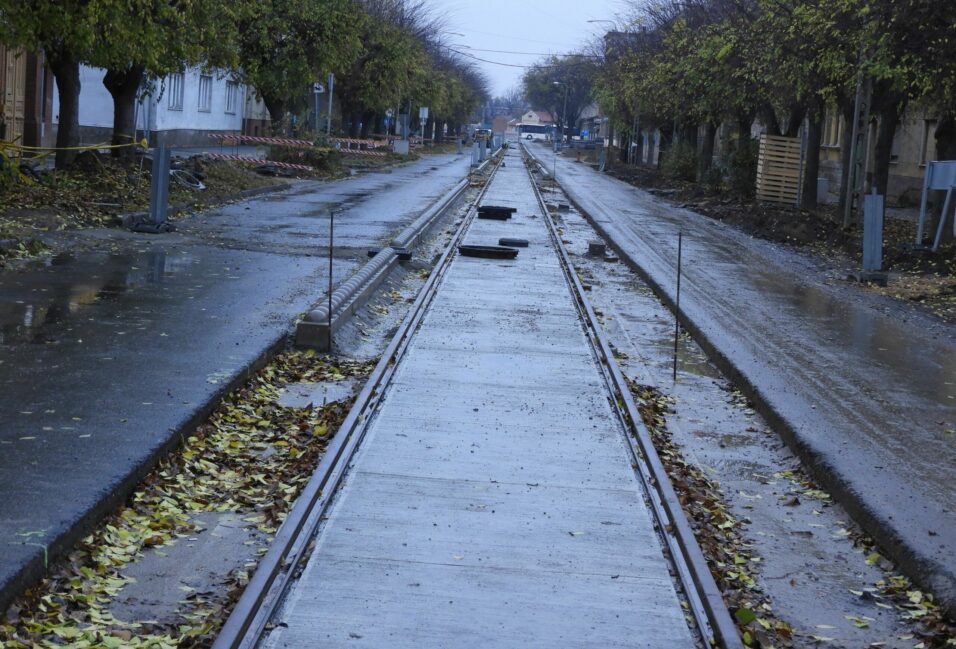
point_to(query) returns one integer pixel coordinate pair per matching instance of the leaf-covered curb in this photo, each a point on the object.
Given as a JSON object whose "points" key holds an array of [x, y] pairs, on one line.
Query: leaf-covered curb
{"points": [[719, 534], [251, 457]]}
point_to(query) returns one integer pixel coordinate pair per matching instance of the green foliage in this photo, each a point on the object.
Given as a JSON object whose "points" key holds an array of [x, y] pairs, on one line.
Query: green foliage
{"points": [[742, 168], [285, 45], [562, 86], [713, 178], [8, 174], [679, 162]]}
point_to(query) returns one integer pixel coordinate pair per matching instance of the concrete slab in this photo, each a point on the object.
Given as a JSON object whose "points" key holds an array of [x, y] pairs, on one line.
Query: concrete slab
{"points": [[493, 502]]}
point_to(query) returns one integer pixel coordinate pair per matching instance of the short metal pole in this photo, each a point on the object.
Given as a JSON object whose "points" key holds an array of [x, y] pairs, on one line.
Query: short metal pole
{"points": [[331, 235], [680, 241]]}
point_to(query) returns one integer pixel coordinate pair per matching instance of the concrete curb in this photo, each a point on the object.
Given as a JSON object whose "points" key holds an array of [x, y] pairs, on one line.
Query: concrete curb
{"points": [[116, 494], [316, 329], [826, 469]]}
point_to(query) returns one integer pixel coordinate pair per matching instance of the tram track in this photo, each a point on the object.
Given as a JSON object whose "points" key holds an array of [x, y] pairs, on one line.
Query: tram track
{"points": [[291, 547]]}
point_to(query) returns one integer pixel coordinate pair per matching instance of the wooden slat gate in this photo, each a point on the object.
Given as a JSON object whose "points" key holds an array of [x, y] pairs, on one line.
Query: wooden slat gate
{"points": [[778, 169]]}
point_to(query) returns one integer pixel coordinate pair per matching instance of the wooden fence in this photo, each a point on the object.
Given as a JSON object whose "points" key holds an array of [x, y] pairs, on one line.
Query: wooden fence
{"points": [[778, 169]]}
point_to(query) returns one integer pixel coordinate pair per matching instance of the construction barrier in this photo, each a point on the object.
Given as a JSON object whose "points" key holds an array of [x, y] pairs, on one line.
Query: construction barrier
{"points": [[258, 161]]}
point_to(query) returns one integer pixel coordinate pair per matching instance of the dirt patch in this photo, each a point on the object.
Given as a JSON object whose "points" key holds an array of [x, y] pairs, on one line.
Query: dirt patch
{"points": [[97, 191]]}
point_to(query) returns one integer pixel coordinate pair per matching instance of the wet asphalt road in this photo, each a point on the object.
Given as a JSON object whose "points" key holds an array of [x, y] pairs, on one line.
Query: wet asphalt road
{"points": [[867, 386], [105, 354]]}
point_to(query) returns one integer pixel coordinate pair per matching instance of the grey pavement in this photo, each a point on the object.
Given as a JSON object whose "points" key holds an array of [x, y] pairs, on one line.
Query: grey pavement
{"points": [[493, 502], [106, 354], [863, 388]]}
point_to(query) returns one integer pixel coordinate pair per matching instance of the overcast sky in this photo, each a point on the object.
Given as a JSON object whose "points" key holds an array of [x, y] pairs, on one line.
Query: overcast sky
{"points": [[533, 28]]}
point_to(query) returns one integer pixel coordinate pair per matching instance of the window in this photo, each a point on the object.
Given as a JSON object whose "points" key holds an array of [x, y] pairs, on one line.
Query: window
{"points": [[232, 97], [205, 92], [175, 82]]}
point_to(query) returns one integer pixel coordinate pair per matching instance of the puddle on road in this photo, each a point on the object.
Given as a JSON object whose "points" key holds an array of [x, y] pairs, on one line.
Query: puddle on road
{"points": [[308, 395], [38, 303]]}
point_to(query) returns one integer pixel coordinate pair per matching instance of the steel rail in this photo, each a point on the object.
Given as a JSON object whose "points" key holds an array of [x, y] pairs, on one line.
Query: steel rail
{"points": [[262, 595], [706, 602]]}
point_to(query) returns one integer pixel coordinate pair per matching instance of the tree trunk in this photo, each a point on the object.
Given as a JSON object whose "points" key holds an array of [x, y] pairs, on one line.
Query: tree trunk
{"points": [[846, 143], [66, 71], [769, 117], [811, 167], [744, 122], [276, 108], [368, 121], [706, 159], [123, 86], [797, 113], [883, 152]]}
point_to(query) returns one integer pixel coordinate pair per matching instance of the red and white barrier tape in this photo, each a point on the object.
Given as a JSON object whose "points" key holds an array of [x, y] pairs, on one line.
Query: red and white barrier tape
{"points": [[258, 161]]}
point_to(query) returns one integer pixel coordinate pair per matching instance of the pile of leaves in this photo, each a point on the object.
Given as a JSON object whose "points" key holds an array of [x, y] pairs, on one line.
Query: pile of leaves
{"points": [[94, 192], [251, 457], [719, 534]]}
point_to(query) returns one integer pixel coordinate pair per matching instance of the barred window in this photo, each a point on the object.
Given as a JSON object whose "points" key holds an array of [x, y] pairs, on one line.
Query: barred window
{"points": [[205, 92], [176, 83], [232, 97]]}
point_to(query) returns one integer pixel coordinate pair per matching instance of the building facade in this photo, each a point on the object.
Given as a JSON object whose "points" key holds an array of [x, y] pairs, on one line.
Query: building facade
{"points": [[181, 109], [26, 98]]}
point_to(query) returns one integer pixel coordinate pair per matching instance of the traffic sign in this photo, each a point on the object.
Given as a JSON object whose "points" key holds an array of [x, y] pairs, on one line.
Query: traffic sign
{"points": [[389, 113], [423, 113], [318, 88]]}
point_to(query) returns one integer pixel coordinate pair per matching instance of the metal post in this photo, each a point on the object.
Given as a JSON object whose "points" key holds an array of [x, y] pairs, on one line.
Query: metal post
{"points": [[873, 210], [331, 250], [159, 187], [680, 242], [328, 125]]}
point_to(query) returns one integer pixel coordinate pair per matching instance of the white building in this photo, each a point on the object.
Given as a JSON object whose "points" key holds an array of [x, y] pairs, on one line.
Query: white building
{"points": [[182, 109]]}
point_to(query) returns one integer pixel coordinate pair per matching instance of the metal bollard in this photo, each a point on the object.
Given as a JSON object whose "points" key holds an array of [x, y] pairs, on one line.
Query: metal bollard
{"points": [[159, 187], [873, 205], [158, 196]]}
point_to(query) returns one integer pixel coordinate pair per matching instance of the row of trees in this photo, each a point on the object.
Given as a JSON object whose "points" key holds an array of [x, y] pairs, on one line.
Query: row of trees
{"points": [[563, 86], [686, 64], [383, 52]]}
